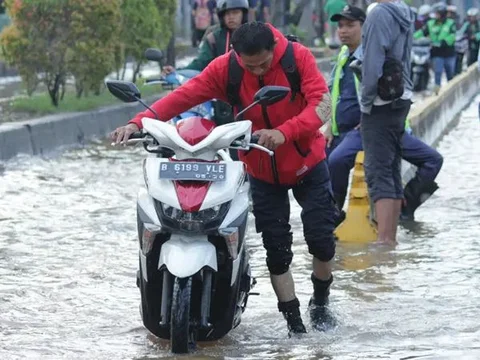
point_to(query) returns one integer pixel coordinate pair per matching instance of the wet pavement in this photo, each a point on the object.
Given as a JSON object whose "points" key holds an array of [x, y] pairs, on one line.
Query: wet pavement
{"points": [[68, 257]]}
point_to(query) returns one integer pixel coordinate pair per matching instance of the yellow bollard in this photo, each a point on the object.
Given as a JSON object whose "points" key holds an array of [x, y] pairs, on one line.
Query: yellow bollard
{"points": [[357, 226]]}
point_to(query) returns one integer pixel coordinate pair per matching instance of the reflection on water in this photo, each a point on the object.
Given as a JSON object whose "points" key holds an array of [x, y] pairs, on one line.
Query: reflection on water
{"points": [[68, 256]]}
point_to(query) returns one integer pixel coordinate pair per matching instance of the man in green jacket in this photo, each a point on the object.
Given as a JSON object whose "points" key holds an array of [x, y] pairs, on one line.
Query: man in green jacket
{"points": [[442, 33], [472, 31], [216, 42]]}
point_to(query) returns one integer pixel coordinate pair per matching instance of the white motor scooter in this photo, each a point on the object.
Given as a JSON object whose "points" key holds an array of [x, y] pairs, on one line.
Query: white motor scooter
{"points": [[194, 275]]}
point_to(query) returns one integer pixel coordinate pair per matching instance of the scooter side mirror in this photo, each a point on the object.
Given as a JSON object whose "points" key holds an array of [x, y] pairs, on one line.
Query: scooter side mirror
{"points": [[153, 54], [123, 90], [269, 95]]}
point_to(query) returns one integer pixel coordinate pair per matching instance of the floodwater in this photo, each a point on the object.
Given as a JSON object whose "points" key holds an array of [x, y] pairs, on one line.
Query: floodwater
{"points": [[68, 257]]}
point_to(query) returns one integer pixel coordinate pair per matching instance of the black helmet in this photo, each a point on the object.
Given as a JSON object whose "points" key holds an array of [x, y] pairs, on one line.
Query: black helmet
{"points": [[224, 5]]}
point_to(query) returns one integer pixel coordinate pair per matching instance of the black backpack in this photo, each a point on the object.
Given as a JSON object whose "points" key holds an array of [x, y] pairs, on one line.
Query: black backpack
{"points": [[235, 74]]}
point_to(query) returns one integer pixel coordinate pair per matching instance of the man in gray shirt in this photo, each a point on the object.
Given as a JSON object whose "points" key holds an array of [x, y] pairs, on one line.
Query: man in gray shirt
{"points": [[385, 102]]}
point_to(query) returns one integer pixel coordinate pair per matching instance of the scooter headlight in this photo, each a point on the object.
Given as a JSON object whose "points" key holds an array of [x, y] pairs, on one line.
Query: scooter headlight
{"points": [[200, 221]]}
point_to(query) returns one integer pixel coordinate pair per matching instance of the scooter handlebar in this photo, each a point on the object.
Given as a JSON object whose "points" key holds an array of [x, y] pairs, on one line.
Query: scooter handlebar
{"points": [[137, 135], [160, 81], [253, 144], [254, 139], [141, 137]]}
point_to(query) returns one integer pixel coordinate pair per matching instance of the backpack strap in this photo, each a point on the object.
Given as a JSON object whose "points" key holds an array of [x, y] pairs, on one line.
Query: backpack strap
{"points": [[235, 76], [210, 38], [289, 66]]}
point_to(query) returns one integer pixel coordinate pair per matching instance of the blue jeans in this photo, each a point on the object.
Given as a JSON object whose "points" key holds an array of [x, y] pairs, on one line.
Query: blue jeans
{"points": [[440, 63], [342, 153]]}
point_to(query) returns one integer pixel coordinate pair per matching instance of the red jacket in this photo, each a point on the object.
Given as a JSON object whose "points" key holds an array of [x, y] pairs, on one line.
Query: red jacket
{"points": [[298, 121]]}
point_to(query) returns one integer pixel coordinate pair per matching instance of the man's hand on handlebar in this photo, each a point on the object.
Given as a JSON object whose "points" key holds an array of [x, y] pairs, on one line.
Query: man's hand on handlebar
{"points": [[271, 139], [121, 134], [167, 69]]}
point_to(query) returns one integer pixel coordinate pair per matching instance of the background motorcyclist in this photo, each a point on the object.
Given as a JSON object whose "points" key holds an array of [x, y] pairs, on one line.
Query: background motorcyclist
{"points": [[453, 14], [472, 31], [423, 16], [216, 42], [442, 33]]}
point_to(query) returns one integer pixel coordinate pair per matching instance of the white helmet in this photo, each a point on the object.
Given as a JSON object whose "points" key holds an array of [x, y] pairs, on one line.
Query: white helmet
{"points": [[472, 12], [424, 10], [452, 8], [370, 7]]}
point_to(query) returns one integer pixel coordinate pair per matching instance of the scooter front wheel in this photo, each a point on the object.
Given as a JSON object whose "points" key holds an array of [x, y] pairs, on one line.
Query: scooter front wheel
{"points": [[180, 335]]}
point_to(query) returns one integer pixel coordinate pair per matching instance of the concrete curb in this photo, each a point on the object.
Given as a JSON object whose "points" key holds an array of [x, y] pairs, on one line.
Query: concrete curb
{"points": [[42, 135]]}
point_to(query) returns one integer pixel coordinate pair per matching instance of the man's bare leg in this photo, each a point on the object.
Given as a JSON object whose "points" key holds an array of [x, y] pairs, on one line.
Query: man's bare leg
{"points": [[283, 286], [387, 214], [322, 270]]}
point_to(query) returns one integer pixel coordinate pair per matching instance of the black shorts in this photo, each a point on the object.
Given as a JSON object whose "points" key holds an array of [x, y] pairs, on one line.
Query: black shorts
{"points": [[271, 208], [382, 132]]}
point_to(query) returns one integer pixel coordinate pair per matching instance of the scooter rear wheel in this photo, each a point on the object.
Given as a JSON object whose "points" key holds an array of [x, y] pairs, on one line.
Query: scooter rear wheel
{"points": [[180, 316]]}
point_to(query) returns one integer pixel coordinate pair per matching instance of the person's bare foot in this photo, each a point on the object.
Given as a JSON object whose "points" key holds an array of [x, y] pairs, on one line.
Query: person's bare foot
{"points": [[387, 242]]}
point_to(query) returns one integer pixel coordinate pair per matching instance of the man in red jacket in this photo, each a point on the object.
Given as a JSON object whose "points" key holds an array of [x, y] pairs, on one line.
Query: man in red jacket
{"points": [[291, 128]]}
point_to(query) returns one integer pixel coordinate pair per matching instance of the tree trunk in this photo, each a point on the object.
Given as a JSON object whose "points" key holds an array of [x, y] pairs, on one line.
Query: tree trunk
{"points": [[64, 89], [54, 90], [136, 71], [171, 50], [297, 14], [124, 70], [321, 14], [286, 11], [31, 82], [79, 89], [96, 90]]}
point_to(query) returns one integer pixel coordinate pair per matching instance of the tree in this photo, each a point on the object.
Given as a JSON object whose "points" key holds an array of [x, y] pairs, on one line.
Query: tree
{"points": [[41, 35], [51, 39], [15, 49], [143, 26], [96, 30], [168, 10]]}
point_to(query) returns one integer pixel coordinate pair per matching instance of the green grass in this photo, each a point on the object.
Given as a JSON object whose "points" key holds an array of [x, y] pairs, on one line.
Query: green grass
{"points": [[40, 104]]}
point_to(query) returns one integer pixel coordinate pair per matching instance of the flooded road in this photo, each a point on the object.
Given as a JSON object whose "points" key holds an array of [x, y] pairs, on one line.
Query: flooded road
{"points": [[68, 257]]}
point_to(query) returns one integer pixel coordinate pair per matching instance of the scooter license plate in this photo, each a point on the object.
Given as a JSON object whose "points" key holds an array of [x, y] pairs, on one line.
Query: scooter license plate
{"points": [[193, 171]]}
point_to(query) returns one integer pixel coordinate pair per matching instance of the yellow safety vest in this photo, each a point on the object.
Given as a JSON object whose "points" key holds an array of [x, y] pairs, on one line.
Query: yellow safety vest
{"points": [[342, 59]]}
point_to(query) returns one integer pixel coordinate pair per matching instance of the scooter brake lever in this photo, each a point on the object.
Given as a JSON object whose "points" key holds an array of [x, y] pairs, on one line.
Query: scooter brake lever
{"points": [[259, 147]]}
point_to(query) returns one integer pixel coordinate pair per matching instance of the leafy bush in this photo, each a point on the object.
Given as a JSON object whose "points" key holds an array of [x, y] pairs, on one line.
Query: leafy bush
{"points": [[144, 25], [96, 33], [49, 40]]}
